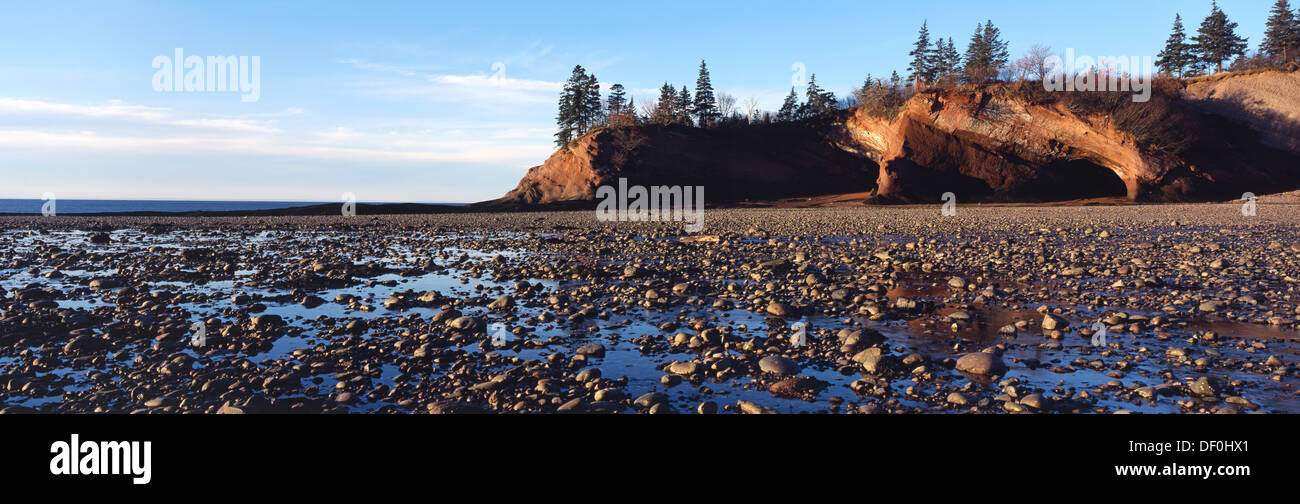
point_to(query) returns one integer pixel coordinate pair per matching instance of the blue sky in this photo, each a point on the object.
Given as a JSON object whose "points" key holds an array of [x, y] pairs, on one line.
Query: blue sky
{"points": [[400, 101]]}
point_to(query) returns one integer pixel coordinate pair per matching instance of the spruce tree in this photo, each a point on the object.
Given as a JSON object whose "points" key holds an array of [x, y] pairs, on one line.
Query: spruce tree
{"points": [[815, 99], [947, 59], [998, 52], [922, 65], [986, 53], [1177, 55], [592, 115], [616, 106], [706, 105], [665, 111], [1281, 36], [1217, 39], [617, 101], [683, 112], [826, 102], [954, 57], [788, 108], [572, 100], [939, 61], [977, 54]]}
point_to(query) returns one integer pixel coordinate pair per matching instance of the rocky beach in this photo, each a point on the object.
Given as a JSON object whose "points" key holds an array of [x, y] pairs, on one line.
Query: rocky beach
{"points": [[1179, 308]]}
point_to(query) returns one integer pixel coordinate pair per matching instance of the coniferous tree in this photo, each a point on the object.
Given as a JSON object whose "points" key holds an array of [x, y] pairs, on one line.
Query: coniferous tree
{"points": [[935, 61], [1282, 32], [631, 116], [1217, 39], [618, 110], [954, 57], [665, 111], [947, 59], [894, 80], [572, 107], [1178, 57], [976, 53], [683, 112], [617, 101], [986, 53], [922, 65], [937, 64], [592, 114], [827, 102], [706, 105], [817, 101], [789, 108], [999, 54]]}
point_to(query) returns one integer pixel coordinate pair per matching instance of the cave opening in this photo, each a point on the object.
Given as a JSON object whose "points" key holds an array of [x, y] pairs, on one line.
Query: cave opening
{"points": [[1075, 179]]}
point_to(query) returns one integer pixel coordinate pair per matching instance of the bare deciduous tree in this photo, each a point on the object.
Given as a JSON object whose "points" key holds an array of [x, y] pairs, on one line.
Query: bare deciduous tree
{"points": [[649, 110], [751, 108], [726, 103], [1031, 64]]}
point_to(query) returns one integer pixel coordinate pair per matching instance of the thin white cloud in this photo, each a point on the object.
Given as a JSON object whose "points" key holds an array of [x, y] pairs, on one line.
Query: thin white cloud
{"points": [[480, 90], [379, 148], [339, 133], [478, 81], [227, 124], [117, 110], [114, 109]]}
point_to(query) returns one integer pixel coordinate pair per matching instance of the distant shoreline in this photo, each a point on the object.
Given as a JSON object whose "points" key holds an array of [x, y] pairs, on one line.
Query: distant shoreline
{"points": [[304, 210], [128, 207]]}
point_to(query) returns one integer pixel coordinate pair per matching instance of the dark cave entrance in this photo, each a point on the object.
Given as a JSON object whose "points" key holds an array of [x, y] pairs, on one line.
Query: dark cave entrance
{"points": [[1074, 179]]}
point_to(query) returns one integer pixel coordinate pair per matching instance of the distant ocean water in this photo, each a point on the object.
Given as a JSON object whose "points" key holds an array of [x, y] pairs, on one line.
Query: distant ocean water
{"points": [[73, 206]]}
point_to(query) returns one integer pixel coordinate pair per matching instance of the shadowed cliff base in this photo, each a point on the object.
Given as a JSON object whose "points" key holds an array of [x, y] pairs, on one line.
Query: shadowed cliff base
{"points": [[733, 163], [1194, 140]]}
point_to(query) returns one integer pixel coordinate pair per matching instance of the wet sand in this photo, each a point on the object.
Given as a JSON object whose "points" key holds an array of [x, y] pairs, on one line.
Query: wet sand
{"points": [[906, 311]]}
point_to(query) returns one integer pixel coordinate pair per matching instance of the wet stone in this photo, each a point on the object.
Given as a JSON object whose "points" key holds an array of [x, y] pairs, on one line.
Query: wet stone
{"points": [[981, 363], [778, 365]]}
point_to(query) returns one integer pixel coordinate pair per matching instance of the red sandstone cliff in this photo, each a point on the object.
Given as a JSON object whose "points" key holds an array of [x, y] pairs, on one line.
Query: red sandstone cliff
{"points": [[732, 163], [1199, 139]]}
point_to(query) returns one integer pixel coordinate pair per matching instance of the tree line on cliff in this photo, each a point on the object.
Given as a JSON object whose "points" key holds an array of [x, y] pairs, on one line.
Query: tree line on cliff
{"points": [[934, 62]]}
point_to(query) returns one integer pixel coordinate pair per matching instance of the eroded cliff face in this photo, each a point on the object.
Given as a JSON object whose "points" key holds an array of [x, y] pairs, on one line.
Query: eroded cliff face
{"points": [[1238, 134], [1218, 138], [733, 164], [992, 148], [1268, 102]]}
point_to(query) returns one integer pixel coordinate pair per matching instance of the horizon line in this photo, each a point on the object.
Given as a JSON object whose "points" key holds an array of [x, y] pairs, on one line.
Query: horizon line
{"points": [[241, 200]]}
